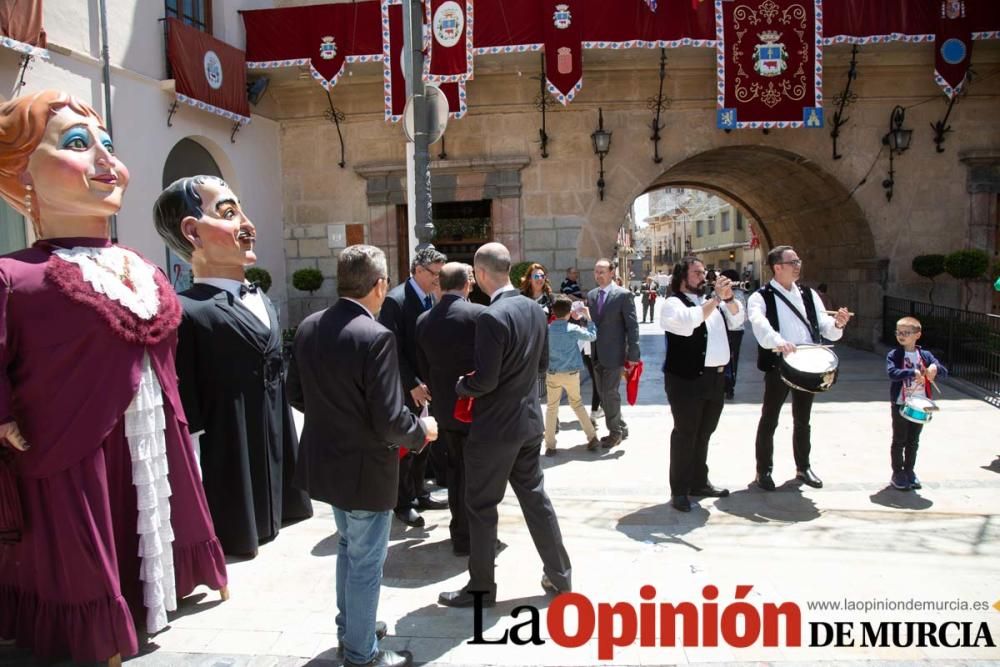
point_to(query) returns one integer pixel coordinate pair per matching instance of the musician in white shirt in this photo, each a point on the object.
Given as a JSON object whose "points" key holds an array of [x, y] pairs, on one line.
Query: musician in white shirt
{"points": [[783, 315]]}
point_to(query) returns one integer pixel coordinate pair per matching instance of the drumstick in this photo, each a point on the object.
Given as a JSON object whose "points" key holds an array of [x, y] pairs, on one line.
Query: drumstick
{"points": [[834, 312]]}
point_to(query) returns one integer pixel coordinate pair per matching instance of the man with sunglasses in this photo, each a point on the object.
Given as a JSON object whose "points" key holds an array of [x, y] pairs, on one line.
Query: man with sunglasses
{"points": [[403, 305], [785, 314]]}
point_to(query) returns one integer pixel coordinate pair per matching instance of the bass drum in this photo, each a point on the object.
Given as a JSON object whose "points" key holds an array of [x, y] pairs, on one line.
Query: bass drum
{"points": [[811, 368]]}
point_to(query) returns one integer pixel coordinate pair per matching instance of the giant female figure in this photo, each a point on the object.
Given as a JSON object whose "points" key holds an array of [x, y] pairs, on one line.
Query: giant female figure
{"points": [[115, 517]]}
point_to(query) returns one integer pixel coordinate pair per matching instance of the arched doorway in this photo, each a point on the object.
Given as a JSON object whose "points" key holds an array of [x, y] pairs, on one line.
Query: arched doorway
{"points": [[793, 202], [186, 158]]}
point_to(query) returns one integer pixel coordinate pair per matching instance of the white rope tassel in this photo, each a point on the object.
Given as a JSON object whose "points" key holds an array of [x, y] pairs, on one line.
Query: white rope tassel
{"points": [[144, 429]]}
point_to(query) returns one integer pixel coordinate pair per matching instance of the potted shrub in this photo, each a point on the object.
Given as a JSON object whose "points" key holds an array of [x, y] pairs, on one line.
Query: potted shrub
{"points": [[967, 265], [930, 267], [308, 279], [517, 272], [262, 277]]}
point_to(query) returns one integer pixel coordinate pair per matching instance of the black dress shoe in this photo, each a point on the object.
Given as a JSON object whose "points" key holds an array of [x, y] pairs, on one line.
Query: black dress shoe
{"points": [[428, 503], [681, 503], [463, 598], [611, 440], [809, 478], [549, 587], [381, 630], [410, 518], [709, 491], [386, 658], [764, 481]]}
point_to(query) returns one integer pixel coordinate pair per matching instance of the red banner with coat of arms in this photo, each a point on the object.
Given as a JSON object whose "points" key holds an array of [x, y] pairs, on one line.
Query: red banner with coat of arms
{"points": [[449, 56], [563, 30], [769, 63], [208, 73], [953, 47]]}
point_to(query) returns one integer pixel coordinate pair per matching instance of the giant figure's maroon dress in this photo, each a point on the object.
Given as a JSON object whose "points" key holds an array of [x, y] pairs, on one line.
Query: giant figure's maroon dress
{"points": [[70, 366]]}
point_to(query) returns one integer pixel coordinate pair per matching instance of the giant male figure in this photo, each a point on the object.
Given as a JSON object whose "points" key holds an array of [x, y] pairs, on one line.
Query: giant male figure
{"points": [[229, 367]]}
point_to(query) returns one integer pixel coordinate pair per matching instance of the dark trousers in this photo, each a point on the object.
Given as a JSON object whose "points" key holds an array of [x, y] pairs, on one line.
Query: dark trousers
{"points": [[411, 478], [488, 468], [735, 340], [650, 308], [608, 380], [437, 462], [454, 441], [775, 392], [696, 406], [905, 441], [595, 396]]}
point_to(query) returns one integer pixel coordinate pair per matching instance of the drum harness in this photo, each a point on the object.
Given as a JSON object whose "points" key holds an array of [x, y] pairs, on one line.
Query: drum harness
{"points": [[768, 293]]}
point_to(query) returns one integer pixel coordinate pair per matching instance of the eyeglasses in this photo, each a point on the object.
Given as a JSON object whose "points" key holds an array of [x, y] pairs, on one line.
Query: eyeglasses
{"points": [[698, 272], [900, 332], [538, 276], [792, 262], [431, 271]]}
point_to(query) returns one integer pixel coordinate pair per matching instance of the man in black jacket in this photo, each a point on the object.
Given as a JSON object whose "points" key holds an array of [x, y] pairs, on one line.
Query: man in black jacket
{"points": [[229, 368], [345, 378], [403, 305], [446, 338], [505, 436]]}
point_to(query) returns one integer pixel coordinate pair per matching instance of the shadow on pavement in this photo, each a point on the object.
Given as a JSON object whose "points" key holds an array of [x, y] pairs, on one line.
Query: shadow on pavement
{"points": [[581, 453], [786, 503], [994, 465], [896, 499], [413, 563], [662, 524]]}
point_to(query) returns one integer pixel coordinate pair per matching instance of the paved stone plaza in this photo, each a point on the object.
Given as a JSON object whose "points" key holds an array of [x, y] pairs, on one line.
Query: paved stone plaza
{"points": [[854, 539]]}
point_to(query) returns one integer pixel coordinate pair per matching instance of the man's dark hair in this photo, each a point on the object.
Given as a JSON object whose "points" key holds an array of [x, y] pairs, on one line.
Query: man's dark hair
{"points": [[822, 287], [774, 257], [681, 271], [731, 274], [179, 200], [454, 276], [426, 257], [359, 267], [561, 305]]}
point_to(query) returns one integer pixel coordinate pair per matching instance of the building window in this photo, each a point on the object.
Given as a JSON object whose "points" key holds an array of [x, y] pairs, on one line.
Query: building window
{"points": [[724, 219], [701, 228], [195, 13], [711, 226], [739, 220]]}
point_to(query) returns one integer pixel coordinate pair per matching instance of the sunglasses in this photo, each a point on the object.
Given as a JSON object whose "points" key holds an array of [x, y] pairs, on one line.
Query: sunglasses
{"points": [[900, 332], [538, 276]]}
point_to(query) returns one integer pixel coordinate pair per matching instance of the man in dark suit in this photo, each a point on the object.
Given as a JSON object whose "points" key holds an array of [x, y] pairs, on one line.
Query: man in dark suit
{"points": [[345, 378], [403, 305], [616, 347], [446, 338], [229, 368], [505, 436]]}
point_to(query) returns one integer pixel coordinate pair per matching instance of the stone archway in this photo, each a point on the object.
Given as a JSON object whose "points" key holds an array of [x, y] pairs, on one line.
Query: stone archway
{"points": [[794, 202]]}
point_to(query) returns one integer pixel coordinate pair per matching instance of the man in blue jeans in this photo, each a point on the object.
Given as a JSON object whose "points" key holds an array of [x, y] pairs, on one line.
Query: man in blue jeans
{"points": [[345, 378]]}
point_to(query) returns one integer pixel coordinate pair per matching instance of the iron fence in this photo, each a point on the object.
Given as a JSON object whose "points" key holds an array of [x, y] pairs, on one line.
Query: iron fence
{"points": [[967, 343]]}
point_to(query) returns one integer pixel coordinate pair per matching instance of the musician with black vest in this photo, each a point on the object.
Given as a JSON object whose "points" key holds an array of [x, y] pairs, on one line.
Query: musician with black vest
{"points": [[694, 374], [784, 314]]}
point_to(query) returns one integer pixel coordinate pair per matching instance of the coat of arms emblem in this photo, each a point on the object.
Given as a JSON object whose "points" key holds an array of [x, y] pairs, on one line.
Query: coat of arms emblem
{"points": [[561, 18], [953, 9], [328, 48], [769, 57], [449, 22], [213, 69]]}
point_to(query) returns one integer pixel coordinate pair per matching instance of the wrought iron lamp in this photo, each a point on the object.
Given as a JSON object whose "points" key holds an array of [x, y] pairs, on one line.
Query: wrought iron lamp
{"points": [[601, 139], [898, 141]]}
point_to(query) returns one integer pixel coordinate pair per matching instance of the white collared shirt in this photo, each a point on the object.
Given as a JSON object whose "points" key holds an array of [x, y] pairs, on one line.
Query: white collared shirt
{"points": [[793, 330], [253, 301], [416, 288], [682, 320]]}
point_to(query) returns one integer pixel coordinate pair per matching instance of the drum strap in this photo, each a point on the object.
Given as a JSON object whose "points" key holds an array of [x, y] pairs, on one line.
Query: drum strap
{"points": [[813, 330]]}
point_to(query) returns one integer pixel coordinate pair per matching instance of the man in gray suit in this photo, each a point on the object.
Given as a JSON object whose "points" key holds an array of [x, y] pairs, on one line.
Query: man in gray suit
{"points": [[616, 347]]}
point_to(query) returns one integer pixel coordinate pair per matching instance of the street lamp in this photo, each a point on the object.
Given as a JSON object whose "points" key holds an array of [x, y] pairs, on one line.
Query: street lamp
{"points": [[898, 141], [601, 139]]}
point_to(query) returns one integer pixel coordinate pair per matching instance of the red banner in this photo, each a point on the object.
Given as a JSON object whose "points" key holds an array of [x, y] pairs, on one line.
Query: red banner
{"points": [[394, 84], [209, 74], [323, 36], [449, 56], [953, 47], [769, 63], [563, 30], [21, 27]]}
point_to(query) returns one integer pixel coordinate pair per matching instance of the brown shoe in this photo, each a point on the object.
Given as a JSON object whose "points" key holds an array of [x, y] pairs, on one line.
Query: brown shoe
{"points": [[593, 444], [611, 440]]}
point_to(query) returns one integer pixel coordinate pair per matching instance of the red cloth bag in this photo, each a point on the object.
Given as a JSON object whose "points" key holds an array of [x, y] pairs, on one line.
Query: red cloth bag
{"points": [[632, 383], [11, 518]]}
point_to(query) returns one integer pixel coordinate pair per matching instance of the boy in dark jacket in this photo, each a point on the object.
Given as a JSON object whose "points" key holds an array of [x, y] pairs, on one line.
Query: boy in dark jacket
{"points": [[911, 370]]}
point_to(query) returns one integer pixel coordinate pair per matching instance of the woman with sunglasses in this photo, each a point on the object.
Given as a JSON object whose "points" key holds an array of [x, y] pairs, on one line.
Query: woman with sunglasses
{"points": [[535, 285]]}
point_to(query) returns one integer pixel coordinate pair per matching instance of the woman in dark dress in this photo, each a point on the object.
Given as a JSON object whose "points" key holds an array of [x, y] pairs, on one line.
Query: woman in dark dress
{"points": [[116, 527]]}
